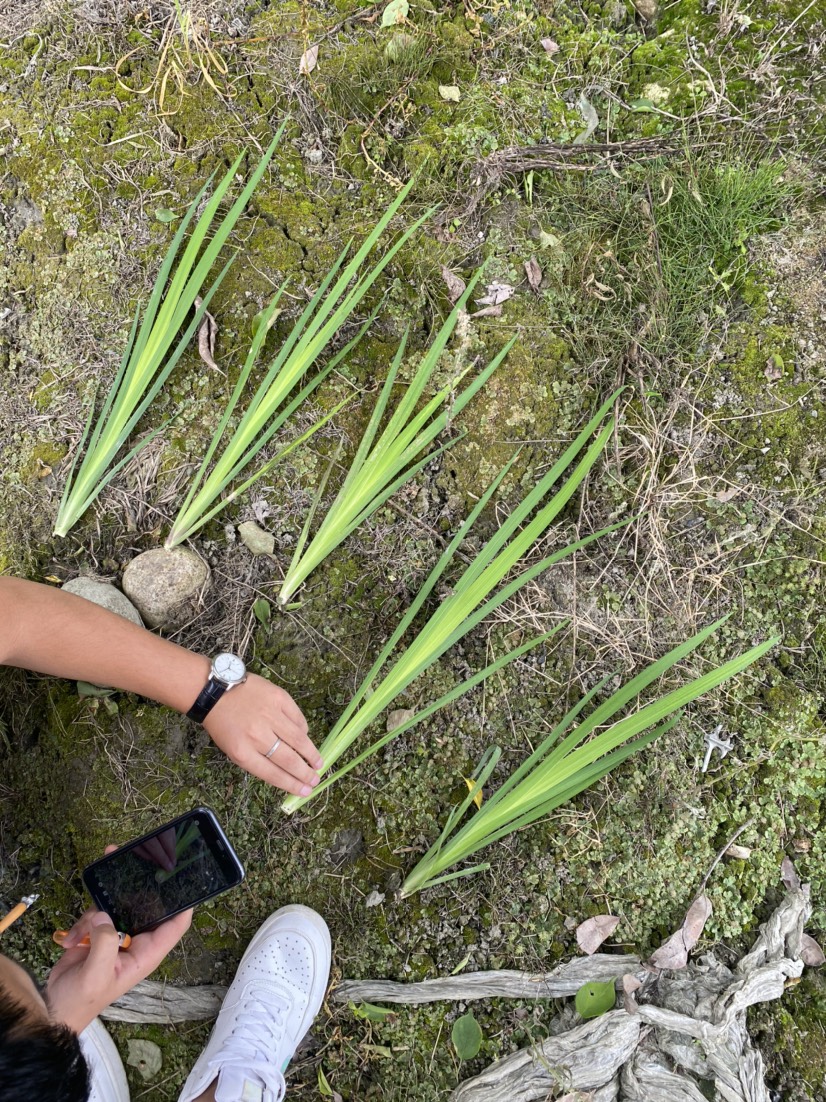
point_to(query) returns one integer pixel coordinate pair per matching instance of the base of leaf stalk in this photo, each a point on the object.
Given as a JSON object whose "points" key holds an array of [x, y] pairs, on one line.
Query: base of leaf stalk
{"points": [[293, 803]]}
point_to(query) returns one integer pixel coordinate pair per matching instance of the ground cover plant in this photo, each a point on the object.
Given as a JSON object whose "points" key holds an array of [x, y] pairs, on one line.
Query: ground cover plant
{"points": [[553, 774], [708, 311], [380, 469]]}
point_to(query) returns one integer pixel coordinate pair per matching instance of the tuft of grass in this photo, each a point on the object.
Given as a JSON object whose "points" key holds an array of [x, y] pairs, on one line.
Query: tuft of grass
{"points": [[149, 356], [654, 259], [185, 51]]}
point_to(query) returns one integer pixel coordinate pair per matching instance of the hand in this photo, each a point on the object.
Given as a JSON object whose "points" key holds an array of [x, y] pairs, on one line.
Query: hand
{"points": [[86, 981], [245, 724], [160, 850]]}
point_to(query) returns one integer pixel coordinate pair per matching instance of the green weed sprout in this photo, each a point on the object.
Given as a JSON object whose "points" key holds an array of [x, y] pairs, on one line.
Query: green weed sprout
{"points": [[147, 362], [333, 304], [468, 602], [550, 777], [379, 470]]}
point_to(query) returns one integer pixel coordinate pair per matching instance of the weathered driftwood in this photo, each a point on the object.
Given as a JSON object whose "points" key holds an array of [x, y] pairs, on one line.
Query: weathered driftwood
{"points": [[691, 1027], [585, 1058], [560, 983], [163, 1004]]}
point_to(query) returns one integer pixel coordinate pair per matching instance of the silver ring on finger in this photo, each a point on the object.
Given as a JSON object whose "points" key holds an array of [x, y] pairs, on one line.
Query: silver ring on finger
{"points": [[273, 748]]}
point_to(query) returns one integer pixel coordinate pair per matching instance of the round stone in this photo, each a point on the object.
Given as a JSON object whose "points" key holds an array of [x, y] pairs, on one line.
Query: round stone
{"points": [[166, 586], [104, 594]]}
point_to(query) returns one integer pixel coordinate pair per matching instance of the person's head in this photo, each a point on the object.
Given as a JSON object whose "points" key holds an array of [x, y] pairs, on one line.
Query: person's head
{"points": [[40, 1059]]}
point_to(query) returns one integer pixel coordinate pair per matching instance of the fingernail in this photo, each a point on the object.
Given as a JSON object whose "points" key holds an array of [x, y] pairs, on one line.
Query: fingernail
{"points": [[315, 781], [319, 763], [305, 790], [101, 919]]}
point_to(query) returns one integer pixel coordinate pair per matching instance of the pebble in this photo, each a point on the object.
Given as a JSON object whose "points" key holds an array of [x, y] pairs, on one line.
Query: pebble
{"points": [[166, 586], [104, 594]]}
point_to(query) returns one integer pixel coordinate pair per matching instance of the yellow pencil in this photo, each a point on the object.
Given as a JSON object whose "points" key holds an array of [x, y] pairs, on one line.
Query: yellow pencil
{"points": [[17, 911]]}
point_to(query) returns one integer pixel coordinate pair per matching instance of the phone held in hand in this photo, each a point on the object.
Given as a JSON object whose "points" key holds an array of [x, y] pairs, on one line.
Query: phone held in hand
{"points": [[177, 866]]}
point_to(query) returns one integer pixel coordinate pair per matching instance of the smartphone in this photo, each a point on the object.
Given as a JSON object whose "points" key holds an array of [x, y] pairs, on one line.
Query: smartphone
{"points": [[155, 877]]}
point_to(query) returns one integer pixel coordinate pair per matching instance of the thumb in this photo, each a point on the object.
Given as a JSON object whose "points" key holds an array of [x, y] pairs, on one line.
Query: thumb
{"points": [[103, 950]]}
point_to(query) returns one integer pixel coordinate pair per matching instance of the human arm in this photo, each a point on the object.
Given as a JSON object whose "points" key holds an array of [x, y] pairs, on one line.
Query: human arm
{"points": [[53, 632]]}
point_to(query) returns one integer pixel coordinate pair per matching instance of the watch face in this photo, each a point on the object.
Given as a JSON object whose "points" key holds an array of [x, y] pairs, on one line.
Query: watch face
{"points": [[229, 668]]}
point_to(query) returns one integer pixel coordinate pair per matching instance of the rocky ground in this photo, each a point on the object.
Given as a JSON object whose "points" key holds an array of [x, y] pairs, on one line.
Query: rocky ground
{"points": [[679, 251]]}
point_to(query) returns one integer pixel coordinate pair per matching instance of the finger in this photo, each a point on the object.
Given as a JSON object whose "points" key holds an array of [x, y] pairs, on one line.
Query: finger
{"points": [[273, 774], [296, 734], [287, 759], [82, 928], [111, 849], [303, 745], [103, 950], [154, 850], [168, 841], [148, 950]]}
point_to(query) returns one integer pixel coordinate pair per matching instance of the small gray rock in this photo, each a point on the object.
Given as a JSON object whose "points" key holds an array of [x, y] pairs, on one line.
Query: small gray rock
{"points": [[145, 1056], [256, 539], [104, 594], [165, 586]]}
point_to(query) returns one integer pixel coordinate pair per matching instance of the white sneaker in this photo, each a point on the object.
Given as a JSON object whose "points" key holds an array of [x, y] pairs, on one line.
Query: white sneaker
{"points": [[105, 1066], [277, 992]]}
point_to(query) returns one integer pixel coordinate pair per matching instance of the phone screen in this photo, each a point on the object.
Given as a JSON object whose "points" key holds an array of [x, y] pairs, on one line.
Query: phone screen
{"points": [[182, 863]]}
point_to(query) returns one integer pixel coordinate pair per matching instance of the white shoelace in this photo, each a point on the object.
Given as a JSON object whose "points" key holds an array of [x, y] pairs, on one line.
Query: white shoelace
{"points": [[252, 1048]]}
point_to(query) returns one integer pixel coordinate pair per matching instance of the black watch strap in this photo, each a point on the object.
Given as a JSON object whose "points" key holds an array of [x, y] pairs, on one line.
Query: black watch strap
{"points": [[207, 699]]}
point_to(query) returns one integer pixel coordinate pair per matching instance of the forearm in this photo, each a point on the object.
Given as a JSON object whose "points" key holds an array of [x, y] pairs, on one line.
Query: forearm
{"points": [[53, 632]]}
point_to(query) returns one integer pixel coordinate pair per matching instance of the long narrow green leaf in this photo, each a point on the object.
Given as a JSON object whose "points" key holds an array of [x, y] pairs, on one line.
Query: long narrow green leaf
{"points": [[318, 324], [448, 698]]}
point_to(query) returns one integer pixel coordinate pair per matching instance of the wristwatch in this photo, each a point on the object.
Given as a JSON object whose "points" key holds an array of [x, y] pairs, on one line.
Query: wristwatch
{"points": [[228, 670]]}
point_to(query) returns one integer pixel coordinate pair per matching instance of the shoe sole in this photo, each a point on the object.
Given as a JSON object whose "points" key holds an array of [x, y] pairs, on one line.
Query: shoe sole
{"points": [[104, 1062]]}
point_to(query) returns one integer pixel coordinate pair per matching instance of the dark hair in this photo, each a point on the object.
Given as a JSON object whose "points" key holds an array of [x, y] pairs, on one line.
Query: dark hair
{"points": [[40, 1061]]}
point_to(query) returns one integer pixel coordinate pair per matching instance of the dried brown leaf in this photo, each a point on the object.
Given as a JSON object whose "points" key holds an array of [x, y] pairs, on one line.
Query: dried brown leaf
{"points": [[810, 952], [494, 294], [489, 312], [534, 274], [549, 46], [207, 332], [673, 953], [728, 493], [455, 284], [788, 874], [772, 371], [591, 933], [309, 60], [740, 853]]}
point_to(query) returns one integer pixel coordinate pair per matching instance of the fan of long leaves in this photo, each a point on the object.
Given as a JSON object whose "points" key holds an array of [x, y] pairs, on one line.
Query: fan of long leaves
{"points": [[480, 589], [570, 759], [380, 467], [149, 356]]}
